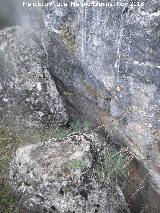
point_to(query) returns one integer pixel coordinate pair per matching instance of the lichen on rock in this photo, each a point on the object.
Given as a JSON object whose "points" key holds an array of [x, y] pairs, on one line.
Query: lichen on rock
{"points": [[59, 176], [28, 95]]}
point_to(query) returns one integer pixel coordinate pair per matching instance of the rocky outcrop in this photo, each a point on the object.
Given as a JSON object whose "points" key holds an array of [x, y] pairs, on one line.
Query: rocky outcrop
{"points": [[28, 95], [60, 176], [114, 79], [105, 62]]}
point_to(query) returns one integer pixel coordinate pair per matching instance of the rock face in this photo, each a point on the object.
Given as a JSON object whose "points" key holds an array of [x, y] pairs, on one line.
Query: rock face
{"points": [[105, 62], [28, 95], [114, 79], [59, 176]]}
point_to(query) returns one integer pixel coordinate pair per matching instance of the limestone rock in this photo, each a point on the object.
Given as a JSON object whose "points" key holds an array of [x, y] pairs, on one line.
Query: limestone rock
{"points": [[106, 65], [58, 176], [114, 76], [28, 95]]}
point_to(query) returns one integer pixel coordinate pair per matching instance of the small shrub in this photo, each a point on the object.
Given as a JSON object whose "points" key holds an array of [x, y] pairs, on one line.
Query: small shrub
{"points": [[112, 170], [113, 165]]}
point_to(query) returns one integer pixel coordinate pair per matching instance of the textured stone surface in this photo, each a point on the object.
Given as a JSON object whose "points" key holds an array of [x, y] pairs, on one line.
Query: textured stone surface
{"points": [[110, 73], [115, 78], [28, 95], [58, 176]]}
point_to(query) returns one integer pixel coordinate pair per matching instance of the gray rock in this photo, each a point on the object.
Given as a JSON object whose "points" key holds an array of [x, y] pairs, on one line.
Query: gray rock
{"points": [[58, 176], [105, 62], [28, 95], [117, 54]]}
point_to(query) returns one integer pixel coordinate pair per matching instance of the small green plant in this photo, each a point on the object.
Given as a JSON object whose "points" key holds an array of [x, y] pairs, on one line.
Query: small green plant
{"points": [[9, 142], [113, 165], [112, 170], [75, 126], [78, 126], [43, 134], [73, 164], [7, 200], [68, 37], [86, 125], [77, 164]]}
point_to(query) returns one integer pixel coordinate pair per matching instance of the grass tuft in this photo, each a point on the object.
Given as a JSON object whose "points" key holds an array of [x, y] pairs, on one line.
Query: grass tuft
{"points": [[9, 142], [113, 165], [68, 37]]}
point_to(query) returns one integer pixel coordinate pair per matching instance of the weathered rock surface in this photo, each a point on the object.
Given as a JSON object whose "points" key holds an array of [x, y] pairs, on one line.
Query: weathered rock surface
{"points": [[28, 95], [59, 176], [114, 79], [106, 65]]}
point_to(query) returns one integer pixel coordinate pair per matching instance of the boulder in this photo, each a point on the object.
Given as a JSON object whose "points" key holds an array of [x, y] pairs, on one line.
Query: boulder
{"points": [[28, 95], [59, 176]]}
